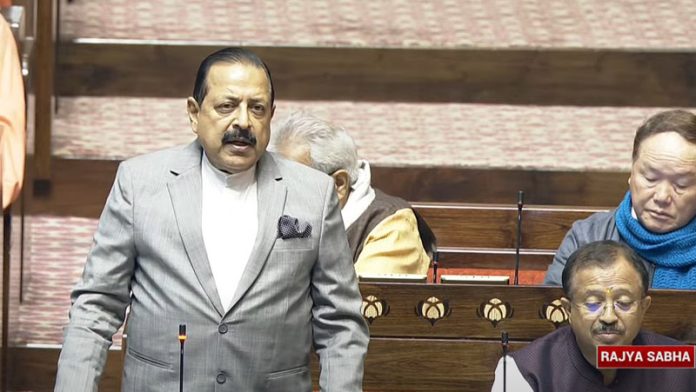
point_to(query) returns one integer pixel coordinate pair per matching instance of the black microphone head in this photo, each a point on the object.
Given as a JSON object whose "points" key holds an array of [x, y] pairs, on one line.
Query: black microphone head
{"points": [[520, 198], [182, 329]]}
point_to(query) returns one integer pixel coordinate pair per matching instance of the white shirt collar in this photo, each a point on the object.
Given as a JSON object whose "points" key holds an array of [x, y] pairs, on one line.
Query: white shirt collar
{"points": [[237, 181]]}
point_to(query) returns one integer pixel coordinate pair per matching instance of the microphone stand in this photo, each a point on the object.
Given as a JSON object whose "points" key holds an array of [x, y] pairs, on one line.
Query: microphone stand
{"points": [[520, 204], [182, 340], [504, 342], [436, 262]]}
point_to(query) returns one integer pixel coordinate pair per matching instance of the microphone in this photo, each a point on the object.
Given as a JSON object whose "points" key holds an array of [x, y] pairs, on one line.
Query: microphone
{"points": [[436, 262], [182, 340], [520, 204], [504, 343]]}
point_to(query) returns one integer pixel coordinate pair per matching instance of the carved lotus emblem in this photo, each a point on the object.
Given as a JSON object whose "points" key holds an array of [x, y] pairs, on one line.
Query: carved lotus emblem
{"points": [[554, 313], [373, 308], [495, 311], [433, 309]]}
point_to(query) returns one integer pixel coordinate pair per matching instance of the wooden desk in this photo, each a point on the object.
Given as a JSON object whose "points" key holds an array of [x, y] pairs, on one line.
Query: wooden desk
{"points": [[427, 337], [443, 337]]}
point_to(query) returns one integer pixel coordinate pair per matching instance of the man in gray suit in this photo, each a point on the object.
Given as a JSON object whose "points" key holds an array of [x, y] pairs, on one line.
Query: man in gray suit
{"points": [[245, 248]]}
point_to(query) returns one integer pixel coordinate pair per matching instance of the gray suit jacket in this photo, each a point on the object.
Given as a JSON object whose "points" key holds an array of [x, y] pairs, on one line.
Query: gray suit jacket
{"points": [[148, 253]]}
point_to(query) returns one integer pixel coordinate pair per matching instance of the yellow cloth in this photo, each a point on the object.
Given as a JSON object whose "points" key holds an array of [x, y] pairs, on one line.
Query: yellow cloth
{"points": [[394, 247], [12, 117]]}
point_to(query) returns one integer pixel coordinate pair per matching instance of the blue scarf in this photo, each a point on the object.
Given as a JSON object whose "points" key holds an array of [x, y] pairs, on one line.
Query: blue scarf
{"points": [[673, 253]]}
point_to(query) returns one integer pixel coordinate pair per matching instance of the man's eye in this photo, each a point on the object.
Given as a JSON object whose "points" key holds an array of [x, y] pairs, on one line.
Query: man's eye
{"points": [[593, 306], [624, 305], [260, 109], [226, 107]]}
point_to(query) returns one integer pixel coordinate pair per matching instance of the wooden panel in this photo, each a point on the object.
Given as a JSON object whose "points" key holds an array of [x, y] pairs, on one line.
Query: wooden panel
{"points": [[495, 226], [463, 302], [452, 184], [391, 365], [468, 261], [666, 315], [525, 277], [406, 353], [34, 369], [43, 76], [493, 258], [594, 77], [80, 187], [431, 365]]}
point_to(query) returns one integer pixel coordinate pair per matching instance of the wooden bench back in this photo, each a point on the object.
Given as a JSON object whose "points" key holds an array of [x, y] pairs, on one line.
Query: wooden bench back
{"points": [[495, 226], [480, 239]]}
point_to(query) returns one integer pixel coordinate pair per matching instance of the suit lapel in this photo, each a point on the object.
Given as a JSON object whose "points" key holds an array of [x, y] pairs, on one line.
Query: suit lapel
{"points": [[185, 191], [271, 201]]}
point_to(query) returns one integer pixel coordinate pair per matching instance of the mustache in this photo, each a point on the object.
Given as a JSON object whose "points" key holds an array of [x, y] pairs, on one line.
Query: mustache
{"points": [[239, 135], [607, 329]]}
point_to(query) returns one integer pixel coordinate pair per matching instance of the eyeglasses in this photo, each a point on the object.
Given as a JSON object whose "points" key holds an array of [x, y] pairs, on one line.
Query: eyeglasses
{"points": [[595, 308]]}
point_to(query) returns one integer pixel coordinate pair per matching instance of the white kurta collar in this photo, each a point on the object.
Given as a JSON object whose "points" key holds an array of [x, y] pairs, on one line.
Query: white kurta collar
{"points": [[360, 197]]}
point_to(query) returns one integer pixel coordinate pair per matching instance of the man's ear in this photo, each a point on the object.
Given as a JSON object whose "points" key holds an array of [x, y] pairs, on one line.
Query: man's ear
{"points": [[646, 303], [193, 109], [342, 183]]}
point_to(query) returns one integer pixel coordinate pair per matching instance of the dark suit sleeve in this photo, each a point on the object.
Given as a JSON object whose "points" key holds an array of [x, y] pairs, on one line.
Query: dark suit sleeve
{"points": [[340, 332], [598, 226], [568, 246], [100, 298]]}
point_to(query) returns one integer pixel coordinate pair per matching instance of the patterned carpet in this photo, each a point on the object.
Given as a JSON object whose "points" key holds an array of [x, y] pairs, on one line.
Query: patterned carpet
{"points": [[392, 23], [55, 255], [390, 134]]}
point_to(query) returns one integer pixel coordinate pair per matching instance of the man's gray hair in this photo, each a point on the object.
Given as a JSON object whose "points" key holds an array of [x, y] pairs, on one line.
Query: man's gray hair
{"points": [[330, 147]]}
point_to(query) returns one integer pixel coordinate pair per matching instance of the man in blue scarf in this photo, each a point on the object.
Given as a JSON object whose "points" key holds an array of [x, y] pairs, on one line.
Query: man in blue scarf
{"points": [[656, 217]]}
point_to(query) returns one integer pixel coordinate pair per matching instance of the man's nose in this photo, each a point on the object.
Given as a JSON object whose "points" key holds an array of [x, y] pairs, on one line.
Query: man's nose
{"points": [[608, 315], [241, 119], [663, 193]]}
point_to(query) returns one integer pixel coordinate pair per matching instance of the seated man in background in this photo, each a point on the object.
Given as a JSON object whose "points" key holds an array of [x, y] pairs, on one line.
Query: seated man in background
{"points": [[656, 217], [385, 234], [606, 296]]}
